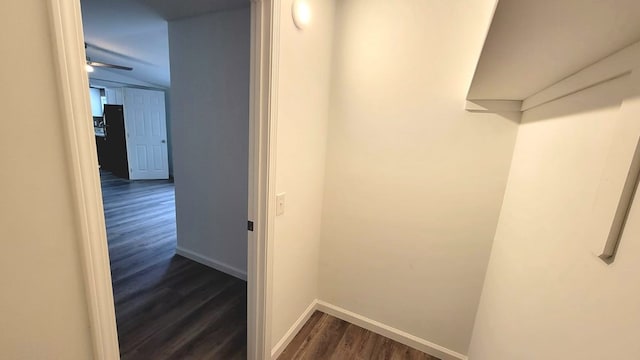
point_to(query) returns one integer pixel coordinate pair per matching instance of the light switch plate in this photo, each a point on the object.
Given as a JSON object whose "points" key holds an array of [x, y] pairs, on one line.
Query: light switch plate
{"points": [[280, 204]]}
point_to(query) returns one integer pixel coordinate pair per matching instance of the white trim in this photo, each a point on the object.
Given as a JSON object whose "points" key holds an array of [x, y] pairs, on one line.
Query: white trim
{"points": [[390, 332], [293, 331], [205, 260], [66, 33], [612, 67], [366, 323], [255, 286], [263, 114], [568, 86]]}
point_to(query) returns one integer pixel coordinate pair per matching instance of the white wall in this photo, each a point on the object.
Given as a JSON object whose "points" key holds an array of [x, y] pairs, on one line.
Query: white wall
{"points": [[44, 313], [546, 293], [414, 184], [303, 109], [210, 132]]}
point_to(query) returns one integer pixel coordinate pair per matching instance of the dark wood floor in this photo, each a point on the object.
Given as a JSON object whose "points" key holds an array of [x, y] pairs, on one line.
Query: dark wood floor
{"points": [[326, 337], [167, 307]]}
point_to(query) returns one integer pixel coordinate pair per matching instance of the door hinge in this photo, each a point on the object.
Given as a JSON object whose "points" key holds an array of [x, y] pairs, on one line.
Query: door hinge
{"points": [[250, 225]]}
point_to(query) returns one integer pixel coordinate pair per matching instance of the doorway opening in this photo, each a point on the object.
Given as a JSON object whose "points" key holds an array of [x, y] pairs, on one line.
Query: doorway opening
{"points": [[70, 58], [178, 290]]}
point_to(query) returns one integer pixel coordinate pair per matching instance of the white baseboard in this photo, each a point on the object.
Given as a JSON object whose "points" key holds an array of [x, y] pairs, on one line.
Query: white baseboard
{"points": [[293, 331], [390, 332], [204, 260]]}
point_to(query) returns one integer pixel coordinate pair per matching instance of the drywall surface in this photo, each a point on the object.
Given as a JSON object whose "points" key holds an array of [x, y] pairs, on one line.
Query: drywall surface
{"points": [[303, 106], [414, 184], [210, 133], [547, 294], [44, 311]]}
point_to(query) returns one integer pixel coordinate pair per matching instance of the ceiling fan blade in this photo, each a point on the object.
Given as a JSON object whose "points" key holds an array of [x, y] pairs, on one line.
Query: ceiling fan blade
{"points": [[110, 66]]}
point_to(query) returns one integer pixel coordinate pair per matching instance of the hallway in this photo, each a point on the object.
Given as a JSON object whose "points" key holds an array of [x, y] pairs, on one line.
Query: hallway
{"points": [[167, 307]]}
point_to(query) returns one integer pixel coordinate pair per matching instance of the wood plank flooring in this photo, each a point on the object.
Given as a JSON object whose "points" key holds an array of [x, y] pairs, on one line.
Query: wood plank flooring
{"points": [[167, 307], [325, 337]]}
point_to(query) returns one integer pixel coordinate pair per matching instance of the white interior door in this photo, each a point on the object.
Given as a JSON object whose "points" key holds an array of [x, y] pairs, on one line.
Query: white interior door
{"points": [[146, 126]]}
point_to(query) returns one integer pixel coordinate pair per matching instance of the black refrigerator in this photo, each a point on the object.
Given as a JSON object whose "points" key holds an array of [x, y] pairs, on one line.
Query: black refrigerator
{"points": [[112, 147]]}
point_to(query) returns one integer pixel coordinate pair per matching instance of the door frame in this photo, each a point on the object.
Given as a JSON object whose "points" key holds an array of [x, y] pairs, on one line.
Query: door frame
{"points": [[69, 56]]}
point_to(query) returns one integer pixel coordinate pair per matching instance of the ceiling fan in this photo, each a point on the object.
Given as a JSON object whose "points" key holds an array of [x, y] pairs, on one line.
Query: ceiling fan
{"points": [[94, 64]]}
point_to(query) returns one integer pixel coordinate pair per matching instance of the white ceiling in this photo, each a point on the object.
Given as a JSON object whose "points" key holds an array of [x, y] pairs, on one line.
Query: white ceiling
{"points": [[134, 33], [533, 44]]}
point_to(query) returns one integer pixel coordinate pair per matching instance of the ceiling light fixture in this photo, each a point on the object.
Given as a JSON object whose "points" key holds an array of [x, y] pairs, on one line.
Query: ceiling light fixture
{"points": [[301, 12], [89, 68]]}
